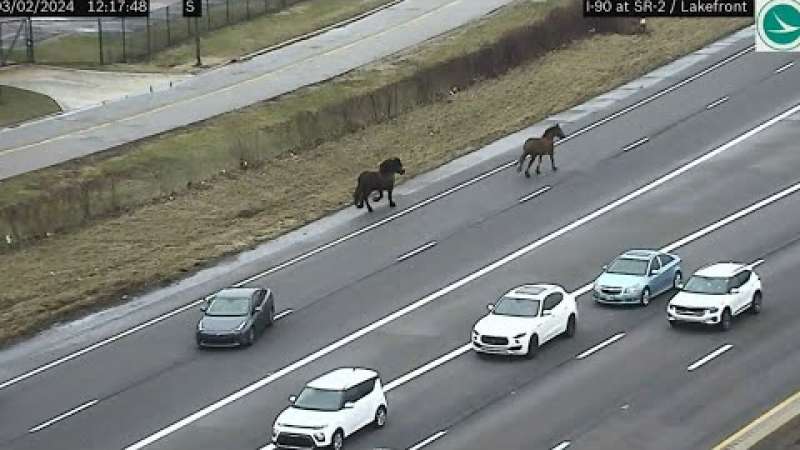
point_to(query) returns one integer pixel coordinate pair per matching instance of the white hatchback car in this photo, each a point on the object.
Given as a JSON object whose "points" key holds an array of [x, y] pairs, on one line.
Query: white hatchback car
{"points": [[525, 318], [330, 408], [716, 293]]}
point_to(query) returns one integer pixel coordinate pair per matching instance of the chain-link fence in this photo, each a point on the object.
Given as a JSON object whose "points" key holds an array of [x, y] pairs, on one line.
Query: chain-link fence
{"points": [[79, 41]]}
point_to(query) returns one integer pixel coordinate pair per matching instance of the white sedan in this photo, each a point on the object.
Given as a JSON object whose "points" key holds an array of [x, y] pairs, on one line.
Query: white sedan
{"points": [[525, 318]]}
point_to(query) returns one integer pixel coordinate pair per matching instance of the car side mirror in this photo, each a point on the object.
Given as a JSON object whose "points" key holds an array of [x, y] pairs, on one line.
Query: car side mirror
{"points": [[349, 405], [680, 286], [204, 307], [292, 399], [258, 309], [490, 306], [653, 271], [605, 267]]}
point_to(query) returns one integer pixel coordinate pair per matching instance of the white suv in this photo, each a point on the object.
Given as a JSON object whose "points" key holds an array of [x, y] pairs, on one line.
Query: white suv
{"points": [[716, 293], [331, 408], [525, 318]]}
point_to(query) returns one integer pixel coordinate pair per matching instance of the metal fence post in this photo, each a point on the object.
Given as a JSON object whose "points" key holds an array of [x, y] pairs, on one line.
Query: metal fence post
{"points": [[124, 46], [197, 40], [188, 27], [227, 12], [2, 56], [149, 42], [169, 38], [208, 14], [100, 39], [247, 9]]}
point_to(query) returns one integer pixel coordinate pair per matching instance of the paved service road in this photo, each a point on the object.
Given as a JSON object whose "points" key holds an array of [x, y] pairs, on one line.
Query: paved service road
{"points": [[355, 303], [61, 138]]}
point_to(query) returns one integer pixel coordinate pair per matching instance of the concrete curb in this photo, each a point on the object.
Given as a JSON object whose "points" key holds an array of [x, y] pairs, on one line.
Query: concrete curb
{"points": [[763, 426]]}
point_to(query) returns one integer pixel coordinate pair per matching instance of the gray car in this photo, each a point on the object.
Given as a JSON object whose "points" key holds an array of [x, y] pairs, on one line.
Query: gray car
{"points": [[637, 276], [235, 317]]}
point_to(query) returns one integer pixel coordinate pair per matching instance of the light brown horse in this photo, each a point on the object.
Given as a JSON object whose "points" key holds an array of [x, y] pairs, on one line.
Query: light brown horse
{"points": [[534, 147]]}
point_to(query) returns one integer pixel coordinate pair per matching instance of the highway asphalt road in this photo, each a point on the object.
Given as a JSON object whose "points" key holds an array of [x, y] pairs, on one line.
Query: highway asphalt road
{"points": [[356, 304], [60, 138]]}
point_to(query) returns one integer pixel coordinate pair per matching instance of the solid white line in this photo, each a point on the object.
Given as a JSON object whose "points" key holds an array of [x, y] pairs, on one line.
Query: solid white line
{"points": [[428, 440], [427, 367], [633, 145], [601, 345], [535, 193], [784, 67], [717, 103], [99, 344], [268, 447], [453, 286], [755, 264], [562, 445], [283, 314], [709, 357], [63, 416], [416, 251], [370, 227]]}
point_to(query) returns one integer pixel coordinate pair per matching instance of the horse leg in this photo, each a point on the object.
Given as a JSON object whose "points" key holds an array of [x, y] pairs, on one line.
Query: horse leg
{"points": [[378, 196], [392, 204], [530, 163], [539, 164], [521, 161], [366, 201], [553, 163]]}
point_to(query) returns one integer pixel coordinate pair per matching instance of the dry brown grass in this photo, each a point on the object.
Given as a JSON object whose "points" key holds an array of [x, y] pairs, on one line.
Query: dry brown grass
{"points": [[98, 264]]}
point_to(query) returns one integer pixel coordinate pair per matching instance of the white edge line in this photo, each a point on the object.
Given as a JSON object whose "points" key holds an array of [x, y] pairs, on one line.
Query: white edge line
{"points": [[562, 445], [427, 367], [716, 103], [416, 251], [283, 314], [755, 264], [601, 345], [63, 416], [356, 233], [455, 285], [784, 67], [428, 440], [700, 362], [535, 193], [633, 145]]}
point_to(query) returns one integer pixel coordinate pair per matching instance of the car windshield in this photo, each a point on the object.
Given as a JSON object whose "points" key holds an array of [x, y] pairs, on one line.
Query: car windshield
{"points": [[706, 285], [229, 306], [628, 266], [519, 307], [319, 399]]}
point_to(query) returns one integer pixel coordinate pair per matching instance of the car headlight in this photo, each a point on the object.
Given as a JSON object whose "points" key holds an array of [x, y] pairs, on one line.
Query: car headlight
{"points": [[520, 336], [475, 333], [713, 310], [241, 326], [632, 289], [199, 326], [320, 437]]}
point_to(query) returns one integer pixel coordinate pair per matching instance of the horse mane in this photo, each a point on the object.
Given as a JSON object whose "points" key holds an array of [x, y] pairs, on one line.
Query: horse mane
{"points": [[549, 133], [386, 166]]}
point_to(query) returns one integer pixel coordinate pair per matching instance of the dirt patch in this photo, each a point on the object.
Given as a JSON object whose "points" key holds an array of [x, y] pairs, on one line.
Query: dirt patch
{"points": [[98, 264]]}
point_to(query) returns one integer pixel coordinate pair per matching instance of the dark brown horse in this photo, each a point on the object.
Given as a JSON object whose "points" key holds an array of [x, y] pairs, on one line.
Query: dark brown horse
{"points": [[382, 180], [534, 147]]}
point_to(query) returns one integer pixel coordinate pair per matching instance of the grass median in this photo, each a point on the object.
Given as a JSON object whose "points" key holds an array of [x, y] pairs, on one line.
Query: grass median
{"points": [[98, 264], [18, 105]]}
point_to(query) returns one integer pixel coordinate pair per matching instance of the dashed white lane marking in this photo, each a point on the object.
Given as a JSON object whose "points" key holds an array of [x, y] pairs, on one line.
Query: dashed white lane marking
{"points": [[428, 440], [283, 314], [258, 384], [633, 145], [562, 445], [700, 362], [370, 227], [601, 345], [714, 104], [416, 251], [427, 367], [534, 194], [784, 67], [63, 416]]}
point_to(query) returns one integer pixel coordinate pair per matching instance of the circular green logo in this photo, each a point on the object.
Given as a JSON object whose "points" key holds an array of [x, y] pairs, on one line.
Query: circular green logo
{"points": [[779, 24]]}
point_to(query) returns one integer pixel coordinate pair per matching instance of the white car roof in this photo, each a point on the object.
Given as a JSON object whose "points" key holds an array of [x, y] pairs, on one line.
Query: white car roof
{"points": [[534, 291], [343, 378], [728, 269]]}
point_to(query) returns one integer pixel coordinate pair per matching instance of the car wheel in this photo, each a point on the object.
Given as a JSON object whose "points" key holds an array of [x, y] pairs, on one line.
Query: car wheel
{"points": [[677, 280], [250, 337], [337, 442], [380, 417], [725, 320], [571, 327], [533, 347], [645, 300], [755, 305]]}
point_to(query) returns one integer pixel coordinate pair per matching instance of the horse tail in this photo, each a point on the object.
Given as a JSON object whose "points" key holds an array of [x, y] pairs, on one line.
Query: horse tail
{"points": [[357, 195]]}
